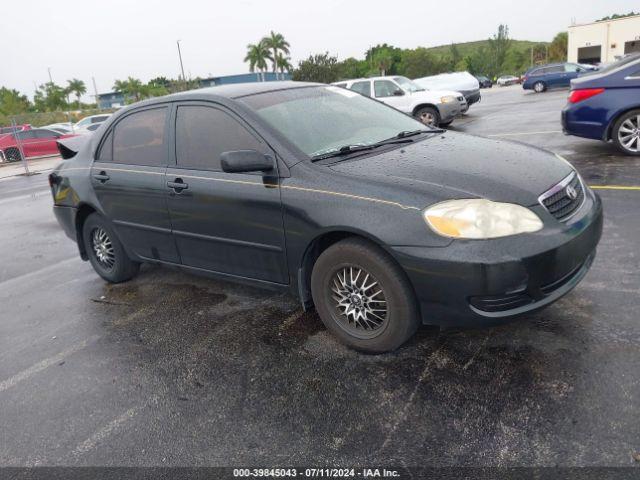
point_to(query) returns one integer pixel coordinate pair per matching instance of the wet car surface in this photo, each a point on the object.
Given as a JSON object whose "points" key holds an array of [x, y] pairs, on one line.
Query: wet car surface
{"points": [[173, 369]]}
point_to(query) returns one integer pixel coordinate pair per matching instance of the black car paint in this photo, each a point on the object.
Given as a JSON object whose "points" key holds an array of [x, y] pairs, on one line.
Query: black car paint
{"points": [[273, 225]]}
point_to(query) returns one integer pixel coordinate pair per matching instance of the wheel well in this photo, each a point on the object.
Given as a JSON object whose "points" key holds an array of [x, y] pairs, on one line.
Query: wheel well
{"points": [[314, 250], [616, 118], [83, 212], [423, 105]]}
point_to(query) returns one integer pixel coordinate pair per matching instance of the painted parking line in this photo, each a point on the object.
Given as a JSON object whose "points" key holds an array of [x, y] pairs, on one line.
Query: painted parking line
{"points": [[44, 364], [614, 187], [523, 133]]}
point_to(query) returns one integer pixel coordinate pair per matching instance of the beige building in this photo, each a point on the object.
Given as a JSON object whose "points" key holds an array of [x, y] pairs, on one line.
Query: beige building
{"points": [[604, 41]]}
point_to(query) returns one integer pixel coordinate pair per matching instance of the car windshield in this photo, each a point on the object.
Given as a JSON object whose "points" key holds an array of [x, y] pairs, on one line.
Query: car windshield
{"points": [[321, 120], [408, 85]]}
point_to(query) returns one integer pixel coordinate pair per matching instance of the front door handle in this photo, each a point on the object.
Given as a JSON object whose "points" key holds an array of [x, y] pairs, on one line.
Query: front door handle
{"points": [[102, 176], [178, 185]]}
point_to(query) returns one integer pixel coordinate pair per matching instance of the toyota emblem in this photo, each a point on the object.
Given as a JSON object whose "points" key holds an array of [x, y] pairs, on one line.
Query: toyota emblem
{"points": [[571, 192]]}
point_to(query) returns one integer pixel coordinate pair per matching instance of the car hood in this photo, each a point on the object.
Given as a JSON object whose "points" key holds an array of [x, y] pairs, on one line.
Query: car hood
{"points": [[455, 165]]}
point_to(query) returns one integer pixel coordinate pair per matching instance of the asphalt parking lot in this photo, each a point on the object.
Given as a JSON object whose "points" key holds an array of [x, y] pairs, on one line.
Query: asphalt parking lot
{"points": [[172, 369]]}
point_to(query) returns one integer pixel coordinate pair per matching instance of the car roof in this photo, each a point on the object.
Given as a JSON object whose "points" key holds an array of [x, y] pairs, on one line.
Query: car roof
{"points": [[231, 91]]}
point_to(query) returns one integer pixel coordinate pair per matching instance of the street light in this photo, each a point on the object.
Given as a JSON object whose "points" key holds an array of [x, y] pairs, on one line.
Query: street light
{"points": [[180, 57]]}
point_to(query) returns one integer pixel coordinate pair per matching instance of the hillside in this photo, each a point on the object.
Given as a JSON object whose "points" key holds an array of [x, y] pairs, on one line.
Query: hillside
{"points": [[468, 48]]}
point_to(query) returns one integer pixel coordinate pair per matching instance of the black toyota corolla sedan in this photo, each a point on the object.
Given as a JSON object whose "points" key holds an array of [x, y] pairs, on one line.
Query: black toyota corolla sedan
{"points": [[358, 209]]}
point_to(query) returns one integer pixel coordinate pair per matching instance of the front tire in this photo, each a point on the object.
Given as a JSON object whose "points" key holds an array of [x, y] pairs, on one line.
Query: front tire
{"points": [[106, 252], [539, 87], [363, 297], [428, 115], [626, 133]]}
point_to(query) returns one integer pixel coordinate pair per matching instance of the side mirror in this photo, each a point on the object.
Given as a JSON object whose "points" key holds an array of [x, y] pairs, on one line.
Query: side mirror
{"points": [[245, 161], [398, 93]]}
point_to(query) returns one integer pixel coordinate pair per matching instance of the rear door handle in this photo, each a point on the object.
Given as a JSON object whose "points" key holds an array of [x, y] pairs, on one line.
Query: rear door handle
{"points": [[178, 185], [102, 176]]}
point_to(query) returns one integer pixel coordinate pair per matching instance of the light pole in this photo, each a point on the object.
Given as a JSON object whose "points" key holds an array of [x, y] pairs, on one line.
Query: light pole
{"points": [[50, 79], [180, 57]]}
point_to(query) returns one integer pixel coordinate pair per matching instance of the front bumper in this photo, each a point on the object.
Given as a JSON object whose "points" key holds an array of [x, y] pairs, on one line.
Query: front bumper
{"points": [[473, 283], [448, 111], [472, 96]]}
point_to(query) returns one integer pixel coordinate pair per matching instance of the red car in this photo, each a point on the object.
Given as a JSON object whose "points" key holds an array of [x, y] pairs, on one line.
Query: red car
{"points": [[10, 129], [35, 142]]}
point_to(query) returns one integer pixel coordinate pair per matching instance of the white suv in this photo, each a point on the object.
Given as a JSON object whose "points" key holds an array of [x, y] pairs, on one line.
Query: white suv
{"points": [[431, 107]]}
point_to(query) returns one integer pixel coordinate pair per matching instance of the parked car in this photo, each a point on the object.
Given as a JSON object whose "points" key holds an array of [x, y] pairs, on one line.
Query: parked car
{"points": [[11, 129], [377, 220], [63, 128], [36, 142], [484, 82], [553, 75], [86, 122], [462, 82], [506, 80], [430, 107], [606, 105]]}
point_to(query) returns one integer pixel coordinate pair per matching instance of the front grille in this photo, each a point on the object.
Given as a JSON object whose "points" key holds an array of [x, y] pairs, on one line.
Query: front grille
{"points": [[558, 201]]}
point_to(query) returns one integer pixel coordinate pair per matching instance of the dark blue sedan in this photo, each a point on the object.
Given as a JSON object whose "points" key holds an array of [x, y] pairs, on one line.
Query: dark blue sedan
{"points": [[605, 105], [553, 75]]}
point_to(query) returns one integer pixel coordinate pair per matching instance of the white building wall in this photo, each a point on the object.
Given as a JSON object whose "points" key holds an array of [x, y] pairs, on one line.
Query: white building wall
{"points": [[611, 35]]}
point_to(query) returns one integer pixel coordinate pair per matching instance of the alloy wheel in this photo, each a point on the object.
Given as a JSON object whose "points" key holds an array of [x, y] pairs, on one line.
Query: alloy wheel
{"points": [[103, 248], [629, 134], [359, 301], [428, 118], [538, 87]]}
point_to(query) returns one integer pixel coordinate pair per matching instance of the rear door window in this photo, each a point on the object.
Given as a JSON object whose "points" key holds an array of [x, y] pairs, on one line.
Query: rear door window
{"points": [[204, 133], [139, 138], [362, 87]]}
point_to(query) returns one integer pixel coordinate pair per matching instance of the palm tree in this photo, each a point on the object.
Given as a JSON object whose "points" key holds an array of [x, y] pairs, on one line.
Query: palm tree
{"points": [[131, 87], [257, 56], [284, 64], [76, 87], [276, 43]]}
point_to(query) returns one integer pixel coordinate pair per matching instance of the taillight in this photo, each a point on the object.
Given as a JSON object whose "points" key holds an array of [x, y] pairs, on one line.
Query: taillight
{"points": [[580, 95]]}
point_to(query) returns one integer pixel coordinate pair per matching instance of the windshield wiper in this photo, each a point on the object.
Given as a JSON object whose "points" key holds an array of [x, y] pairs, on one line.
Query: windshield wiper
{"points": [[411, 133], [346, 149]]}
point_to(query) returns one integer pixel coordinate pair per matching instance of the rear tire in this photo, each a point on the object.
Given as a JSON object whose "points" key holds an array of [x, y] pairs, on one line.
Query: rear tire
{"points": [[12, 154], [539, 87], [428, 115], [106, 252], [363, 297], [626, 133]]}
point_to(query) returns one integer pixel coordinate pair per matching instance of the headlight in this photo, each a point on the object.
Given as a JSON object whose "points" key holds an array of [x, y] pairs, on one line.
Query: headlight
{"points": [[448, 99], [480, 219]]}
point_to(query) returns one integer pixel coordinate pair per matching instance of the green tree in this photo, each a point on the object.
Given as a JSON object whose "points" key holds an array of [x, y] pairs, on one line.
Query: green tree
{"points": [[352, 68], [558, 47], [321, 68], [617, 15], [78, 88], [284, 63], [418, 63], [131, 88], [12, 102], [276, 43], [498, 47], [50, 97], [383, 55], [257, 56]]}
